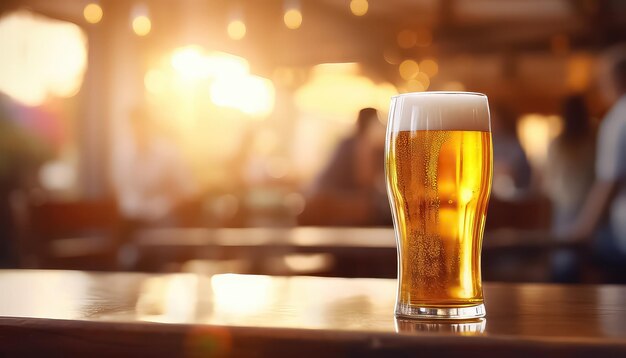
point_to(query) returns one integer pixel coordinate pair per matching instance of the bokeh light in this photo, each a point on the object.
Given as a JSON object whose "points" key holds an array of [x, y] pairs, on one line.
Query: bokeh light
{"points": [[236, 29], [142, 25], [392, 56], [92, 13], [535, 134], [414, 86], [423, 79], [40, 57], [429, 66], [407, 39], [424, 37], [359, 7], [57, 175], [408, 69], [579, 72], [293, 19]]}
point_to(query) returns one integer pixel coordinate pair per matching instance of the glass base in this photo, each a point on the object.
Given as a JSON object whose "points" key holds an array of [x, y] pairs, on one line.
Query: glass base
{"points": [[404, 310], [468, 327]]}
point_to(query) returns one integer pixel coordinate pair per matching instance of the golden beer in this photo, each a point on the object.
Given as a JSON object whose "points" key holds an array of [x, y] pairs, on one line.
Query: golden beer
{"points": [[439, 181]]}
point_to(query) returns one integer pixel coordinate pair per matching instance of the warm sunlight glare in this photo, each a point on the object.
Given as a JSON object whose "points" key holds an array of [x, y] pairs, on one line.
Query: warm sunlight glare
{"points": [[231, 85], [222, 64], [220, 78], [250, 94], [237, 295], [171, 300], [342, 80], [191, 62], [155, 81]]}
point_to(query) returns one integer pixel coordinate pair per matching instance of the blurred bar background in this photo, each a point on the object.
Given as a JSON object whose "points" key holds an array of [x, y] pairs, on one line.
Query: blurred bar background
{"points": [[137, 135]]}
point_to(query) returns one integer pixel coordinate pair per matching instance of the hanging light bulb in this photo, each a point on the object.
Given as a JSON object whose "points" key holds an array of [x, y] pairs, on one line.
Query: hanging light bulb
{"points": [[92, 12], [236, 28], [140, 20], [359, 7], [293, 15]]}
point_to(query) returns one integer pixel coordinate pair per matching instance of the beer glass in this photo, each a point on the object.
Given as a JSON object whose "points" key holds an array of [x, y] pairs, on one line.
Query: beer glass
{"points": [[438, 164]]}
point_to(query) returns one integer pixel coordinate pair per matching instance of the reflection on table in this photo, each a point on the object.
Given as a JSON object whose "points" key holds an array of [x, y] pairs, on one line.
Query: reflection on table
{"points": [[260, 310]]}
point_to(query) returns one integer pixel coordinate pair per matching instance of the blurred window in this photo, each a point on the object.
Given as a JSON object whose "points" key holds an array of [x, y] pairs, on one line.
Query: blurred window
{"points": [[42, 67]]}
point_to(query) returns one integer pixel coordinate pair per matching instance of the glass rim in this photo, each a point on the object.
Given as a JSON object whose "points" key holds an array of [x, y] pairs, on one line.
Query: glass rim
{"points": [[430, 93]]}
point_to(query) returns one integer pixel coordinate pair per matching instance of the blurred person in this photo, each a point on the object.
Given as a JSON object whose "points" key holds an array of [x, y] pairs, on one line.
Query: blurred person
{"points": [[351, 166], [511, 169], [152, 179], [513, 204], [603, 216], [351, 190], [571, 155], [568, 179]]}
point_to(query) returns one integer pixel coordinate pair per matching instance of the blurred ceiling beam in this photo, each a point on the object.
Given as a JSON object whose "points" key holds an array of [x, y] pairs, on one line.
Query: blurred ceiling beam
{"points": [[70, 10], [330, 33]]}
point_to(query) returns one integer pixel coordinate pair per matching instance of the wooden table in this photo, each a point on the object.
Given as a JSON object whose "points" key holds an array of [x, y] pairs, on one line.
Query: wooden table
{"points": [[358, 252], [302, 239], [44, 313], [314, 239]]}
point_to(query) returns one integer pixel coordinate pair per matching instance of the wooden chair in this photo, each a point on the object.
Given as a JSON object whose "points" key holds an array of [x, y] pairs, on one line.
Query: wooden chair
{"points": [[532, 213], [66, 235], [338, 209]]}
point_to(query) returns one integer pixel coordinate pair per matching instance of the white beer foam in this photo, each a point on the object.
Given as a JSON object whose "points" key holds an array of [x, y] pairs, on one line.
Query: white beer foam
{"points": [[465, 111]]}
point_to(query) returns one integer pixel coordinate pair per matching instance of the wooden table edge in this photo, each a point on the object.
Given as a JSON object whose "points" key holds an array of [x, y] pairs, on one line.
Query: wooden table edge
{"points": [[27, 334]]}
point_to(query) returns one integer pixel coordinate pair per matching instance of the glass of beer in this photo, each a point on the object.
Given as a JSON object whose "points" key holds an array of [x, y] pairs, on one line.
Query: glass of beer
{"points": [[438, 163]]}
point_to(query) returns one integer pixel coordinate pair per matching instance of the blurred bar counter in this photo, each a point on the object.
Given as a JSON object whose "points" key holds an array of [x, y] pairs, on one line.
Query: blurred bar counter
{"points": [[76, 313]]}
